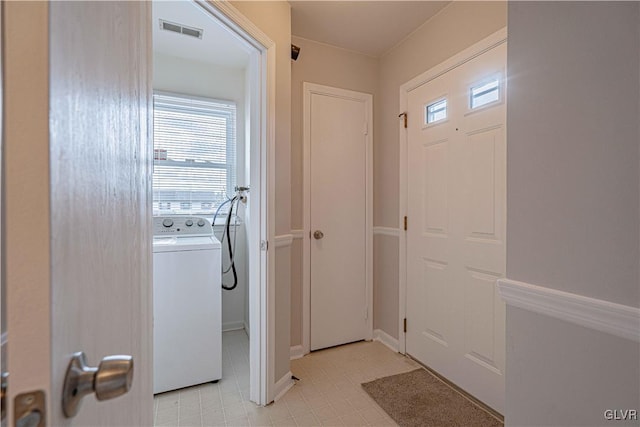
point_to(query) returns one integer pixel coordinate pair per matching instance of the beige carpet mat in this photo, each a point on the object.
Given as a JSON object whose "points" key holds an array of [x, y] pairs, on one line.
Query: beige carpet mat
{"points": [[418, 398]]}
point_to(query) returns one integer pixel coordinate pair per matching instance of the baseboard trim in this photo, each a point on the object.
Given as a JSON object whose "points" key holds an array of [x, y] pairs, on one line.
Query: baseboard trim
{"points": [[283, 240], [386, 231], [282, 386], [386, 339], [604, 316], [296, 352], [232, 326]]}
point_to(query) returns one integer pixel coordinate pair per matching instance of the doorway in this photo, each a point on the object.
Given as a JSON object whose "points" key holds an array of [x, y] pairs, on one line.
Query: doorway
{"points": [[455, 202], [338, 249], [211, 158], [77, 123]]}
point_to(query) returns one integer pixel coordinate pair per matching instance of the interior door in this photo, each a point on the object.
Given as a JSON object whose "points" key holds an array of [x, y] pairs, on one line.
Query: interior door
{"points": [[77, 201], [338, 137], [456, 235]]}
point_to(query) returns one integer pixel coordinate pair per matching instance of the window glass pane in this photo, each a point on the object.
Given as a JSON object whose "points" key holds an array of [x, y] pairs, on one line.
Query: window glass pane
{"points": [[194, 154], [437, 111], [485, 93]]}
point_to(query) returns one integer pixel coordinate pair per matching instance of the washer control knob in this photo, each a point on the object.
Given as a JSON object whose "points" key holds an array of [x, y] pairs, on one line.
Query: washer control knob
{"points": [[167, 222], [201, 223], [188, 223]]}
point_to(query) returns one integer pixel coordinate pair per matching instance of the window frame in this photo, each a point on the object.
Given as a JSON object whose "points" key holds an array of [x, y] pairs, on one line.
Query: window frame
{"points": [[425, 109], [231, 140], [499, 76]]}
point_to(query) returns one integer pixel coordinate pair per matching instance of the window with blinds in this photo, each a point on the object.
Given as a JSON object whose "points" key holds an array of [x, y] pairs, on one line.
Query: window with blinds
{"points": [[194, 141]]}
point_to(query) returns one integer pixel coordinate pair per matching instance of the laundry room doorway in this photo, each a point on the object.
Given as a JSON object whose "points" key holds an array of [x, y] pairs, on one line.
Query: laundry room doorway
{"points": [[212, 161]]}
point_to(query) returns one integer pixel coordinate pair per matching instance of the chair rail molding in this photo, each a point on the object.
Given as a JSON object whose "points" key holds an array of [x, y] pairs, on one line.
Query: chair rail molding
{"points": [[386, 231], [604, 316], [283, 240]]}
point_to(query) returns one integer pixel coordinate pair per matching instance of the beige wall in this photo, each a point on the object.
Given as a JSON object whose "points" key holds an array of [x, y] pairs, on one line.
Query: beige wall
{"points": [[454, 28], [327, 65], [573, 216], [274, 19]]}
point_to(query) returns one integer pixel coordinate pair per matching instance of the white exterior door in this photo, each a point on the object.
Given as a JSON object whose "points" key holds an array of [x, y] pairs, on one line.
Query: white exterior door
{"points": [[337, 124], [78, 212], [456, 233]]}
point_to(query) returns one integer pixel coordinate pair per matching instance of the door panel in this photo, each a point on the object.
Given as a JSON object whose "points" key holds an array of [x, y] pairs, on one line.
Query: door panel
{"points": [[99, 197], [77, 221], [338, 208], [456, 188]]}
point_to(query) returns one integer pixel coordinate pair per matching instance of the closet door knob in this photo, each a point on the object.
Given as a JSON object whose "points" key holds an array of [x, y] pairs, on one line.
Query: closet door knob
{"points": [[318, 234]]}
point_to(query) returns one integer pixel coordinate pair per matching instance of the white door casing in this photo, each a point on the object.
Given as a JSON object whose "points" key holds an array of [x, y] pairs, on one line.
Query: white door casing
{"points": [[455, 243], [337, 288]]}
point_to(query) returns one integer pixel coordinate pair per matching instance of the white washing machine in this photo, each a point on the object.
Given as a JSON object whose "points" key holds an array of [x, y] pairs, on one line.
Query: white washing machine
{"points": [[187, 310]]}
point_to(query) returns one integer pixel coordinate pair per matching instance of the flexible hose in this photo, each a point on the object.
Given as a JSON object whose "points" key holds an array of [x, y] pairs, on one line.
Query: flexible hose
{"points": [[231, 255]]}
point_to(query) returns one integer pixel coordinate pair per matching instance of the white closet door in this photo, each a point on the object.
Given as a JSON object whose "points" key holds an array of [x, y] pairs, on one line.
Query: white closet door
{"points": [[338, 128]]}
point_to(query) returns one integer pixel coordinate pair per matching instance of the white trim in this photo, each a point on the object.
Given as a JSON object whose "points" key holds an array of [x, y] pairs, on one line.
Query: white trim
{"points": [[262, 65], [386, 339], [604, 316], [282, 386], [466, 55], [233, 326], [297, 234], [386, 231], [484, 45], [283, 240], [296, 352], [308, 89]]}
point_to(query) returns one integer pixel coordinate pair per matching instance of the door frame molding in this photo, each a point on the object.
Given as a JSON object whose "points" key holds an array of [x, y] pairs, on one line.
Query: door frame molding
{"points": [[460, 58], [308, 89], [262, 64]]}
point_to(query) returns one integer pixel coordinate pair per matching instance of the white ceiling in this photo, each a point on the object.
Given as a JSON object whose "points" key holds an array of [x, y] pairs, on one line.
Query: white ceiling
{"points": [[370, 27], [217, 45]]}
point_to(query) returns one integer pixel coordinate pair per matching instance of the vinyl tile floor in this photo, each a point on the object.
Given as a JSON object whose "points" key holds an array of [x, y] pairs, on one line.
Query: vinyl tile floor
{"points": [[327, 394]]}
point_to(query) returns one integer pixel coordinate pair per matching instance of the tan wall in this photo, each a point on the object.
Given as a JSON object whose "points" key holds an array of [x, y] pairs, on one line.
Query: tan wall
{"points": [[327, 65], [573, 214], [456, 27], [274, 19]]}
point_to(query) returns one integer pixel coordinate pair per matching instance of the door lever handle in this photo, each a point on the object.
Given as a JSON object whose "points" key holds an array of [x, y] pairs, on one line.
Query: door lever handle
{"points": [[112, 378]]}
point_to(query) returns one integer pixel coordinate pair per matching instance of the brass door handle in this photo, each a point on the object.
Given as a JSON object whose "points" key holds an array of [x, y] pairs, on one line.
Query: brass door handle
{"points": [[318, 234]]}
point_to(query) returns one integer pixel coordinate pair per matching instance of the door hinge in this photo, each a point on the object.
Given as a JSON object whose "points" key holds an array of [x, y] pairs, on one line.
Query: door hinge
{"points": [[264, 245], [405, 325], [404, 118], [405, 223]]}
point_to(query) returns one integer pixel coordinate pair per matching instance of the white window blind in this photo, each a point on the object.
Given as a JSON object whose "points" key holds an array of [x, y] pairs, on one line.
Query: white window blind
{"points": [[194, 141]]}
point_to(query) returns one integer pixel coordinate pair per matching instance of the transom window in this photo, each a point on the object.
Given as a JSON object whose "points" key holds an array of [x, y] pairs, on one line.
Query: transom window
{"points": [[436, 111], [194, 141], [484, 93]]}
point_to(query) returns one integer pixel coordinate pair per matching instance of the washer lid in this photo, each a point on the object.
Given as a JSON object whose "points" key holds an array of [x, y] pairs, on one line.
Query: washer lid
{"points": [[176, 244]]}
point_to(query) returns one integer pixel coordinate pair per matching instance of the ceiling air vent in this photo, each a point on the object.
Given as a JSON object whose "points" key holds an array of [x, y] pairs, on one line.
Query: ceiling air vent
{"points": [[181, 29]]}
